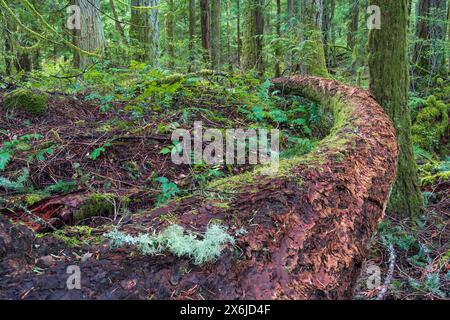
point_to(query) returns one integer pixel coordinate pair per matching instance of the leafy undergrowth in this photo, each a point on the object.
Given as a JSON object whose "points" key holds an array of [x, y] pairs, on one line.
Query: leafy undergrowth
{"points": [[102, 150]]}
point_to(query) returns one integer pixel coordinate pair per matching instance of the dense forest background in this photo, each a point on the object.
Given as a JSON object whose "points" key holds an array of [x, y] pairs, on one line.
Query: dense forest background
{"points": [[132, 66]]}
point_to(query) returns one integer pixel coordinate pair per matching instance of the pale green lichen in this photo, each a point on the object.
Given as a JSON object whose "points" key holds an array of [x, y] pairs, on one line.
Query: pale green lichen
{"points": [[175, 240]]}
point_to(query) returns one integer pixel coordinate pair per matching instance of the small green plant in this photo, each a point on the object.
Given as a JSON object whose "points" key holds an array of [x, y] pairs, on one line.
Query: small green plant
{"points": [[9, 148], [175, 240], [18, 185], [168, 190], [97, 152]]}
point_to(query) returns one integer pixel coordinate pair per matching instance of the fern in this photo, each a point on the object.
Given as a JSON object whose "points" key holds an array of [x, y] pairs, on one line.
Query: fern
{"points": [[18, 185]]}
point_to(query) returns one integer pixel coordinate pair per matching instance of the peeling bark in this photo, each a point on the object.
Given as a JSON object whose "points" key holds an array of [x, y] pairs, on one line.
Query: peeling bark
{"points": [[307, 227]]}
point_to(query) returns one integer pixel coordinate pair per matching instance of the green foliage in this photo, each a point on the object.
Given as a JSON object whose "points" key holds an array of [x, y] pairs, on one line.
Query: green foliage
{"points": [[432, 284], [9, 148], [32, 102], [18, 185], [175, 240], [431, 124], [97, 152], [168, 190]]}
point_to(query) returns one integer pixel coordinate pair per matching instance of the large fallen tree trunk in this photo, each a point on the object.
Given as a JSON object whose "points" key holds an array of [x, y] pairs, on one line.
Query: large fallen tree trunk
{"points": [[306, 228]]}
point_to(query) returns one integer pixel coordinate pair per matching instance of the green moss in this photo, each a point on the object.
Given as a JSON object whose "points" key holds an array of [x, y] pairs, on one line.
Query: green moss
{"points": [[76, 236], [431, 179], [431, 124], [32, 198], [95, 205], [33, 102]]}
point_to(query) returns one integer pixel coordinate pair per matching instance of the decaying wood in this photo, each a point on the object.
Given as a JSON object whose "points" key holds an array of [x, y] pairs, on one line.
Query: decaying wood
{"points": [[306, 229]]}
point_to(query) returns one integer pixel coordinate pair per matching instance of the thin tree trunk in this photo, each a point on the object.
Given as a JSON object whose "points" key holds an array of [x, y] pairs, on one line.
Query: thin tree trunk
{"points": [[215, 34], [191, 33], [238, 32], [327, 25], [277, 47], [353, 24], [431, 35], [253, 36], [170, 34], [205, 24], [117, 23], [388, 65]]}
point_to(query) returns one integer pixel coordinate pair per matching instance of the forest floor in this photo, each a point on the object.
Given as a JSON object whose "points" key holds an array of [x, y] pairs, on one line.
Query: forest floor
{"points": [[89, 143]]}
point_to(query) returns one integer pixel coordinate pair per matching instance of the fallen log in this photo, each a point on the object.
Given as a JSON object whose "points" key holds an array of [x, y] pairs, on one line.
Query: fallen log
{"points": [[301, 234]]}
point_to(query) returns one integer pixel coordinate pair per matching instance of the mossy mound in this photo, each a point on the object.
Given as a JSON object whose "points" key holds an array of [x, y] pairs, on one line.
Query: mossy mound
{"points": [[96, 205], [32, 102], [431, 124]]}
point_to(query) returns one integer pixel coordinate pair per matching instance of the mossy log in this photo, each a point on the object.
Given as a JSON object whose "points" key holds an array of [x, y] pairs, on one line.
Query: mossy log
{"points": [[301, 234]]}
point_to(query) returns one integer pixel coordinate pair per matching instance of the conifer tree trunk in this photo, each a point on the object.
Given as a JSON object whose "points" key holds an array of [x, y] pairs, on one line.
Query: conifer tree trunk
{"points": [[429, 51], [328, 38], [170, 34], [277, 70], [205, 28], [253, 36], [389, 84], [191, 33], [91, 36], [312, 60], [353, 24], [238, 32], [145, 31], [117, 23], [215, 34]]}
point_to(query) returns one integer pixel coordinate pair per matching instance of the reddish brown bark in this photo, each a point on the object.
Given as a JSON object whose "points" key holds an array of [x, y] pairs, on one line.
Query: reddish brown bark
{"points": [[307, 230]]}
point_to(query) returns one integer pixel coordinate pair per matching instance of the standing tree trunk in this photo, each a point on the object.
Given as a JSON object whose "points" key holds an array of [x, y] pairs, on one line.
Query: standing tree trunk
{"points": [[91, 36], [205, 24], [215, 34], [9, 48], [429, 51], [353, 23], [191, 33], [144, 30], [277, 70], [238, 32], [327, 25], [170, 34], [253, 36], [290, 12], [389, 84], [117, 23], [312, 56]]}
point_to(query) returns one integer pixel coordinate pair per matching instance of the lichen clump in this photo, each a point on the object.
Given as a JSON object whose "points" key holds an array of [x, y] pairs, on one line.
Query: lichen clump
{"points": [[32, 102], [175, 240]]}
